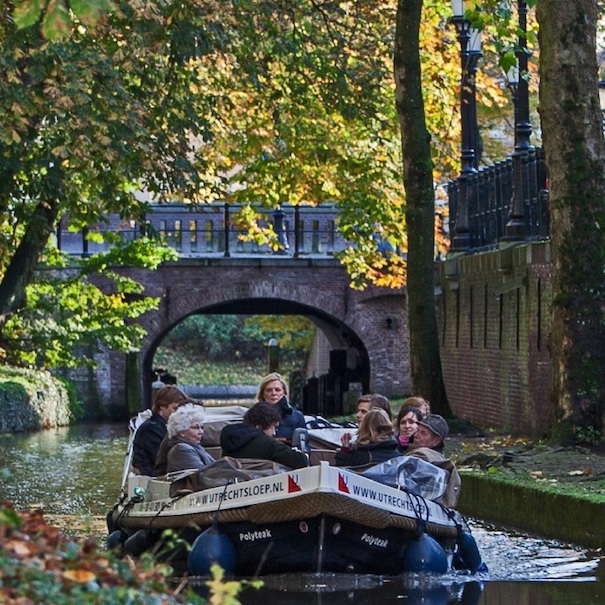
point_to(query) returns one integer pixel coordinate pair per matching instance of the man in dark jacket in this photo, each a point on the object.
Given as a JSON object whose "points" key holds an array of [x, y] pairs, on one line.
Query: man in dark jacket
{"points": [[255, 438], [151, 433]]}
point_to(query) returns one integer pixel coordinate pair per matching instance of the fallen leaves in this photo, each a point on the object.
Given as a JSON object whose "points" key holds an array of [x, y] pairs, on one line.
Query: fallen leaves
{"points": [[581, 472], [37, 559]]}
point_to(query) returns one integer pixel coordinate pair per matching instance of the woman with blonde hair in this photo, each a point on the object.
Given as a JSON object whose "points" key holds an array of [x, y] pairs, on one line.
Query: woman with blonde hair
{"points": [[274, 391], [375, 442]]}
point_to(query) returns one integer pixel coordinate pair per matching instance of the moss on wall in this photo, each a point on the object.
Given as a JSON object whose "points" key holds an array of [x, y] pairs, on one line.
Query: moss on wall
{"points": [[556, 516], [32, 400]]}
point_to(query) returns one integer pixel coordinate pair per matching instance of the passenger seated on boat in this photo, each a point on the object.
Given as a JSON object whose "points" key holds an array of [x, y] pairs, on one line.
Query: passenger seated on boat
{"points": [[375, 442], [185, 429], [255, 438], [407, 425], [274, 391], [150, 434], [423, 406], [366, 403], [429, 444]]}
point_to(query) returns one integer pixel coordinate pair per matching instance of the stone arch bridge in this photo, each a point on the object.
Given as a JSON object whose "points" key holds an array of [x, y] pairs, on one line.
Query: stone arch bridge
{"points": [[364, 334]]}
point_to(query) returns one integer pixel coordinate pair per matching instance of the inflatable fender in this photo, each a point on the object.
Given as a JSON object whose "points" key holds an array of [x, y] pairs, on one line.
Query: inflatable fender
{"points": [[425, 554], [211, 546], [139, 542], [115, 540], [468, 551]]}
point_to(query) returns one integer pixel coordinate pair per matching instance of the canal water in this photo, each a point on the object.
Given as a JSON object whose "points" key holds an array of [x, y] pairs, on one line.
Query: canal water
{"points": [[78, 470]]}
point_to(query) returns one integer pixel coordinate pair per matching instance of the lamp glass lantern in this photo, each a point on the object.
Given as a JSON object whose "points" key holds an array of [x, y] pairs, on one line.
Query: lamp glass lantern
{"points": [[458, 8], [474, 44], [512, 75]]}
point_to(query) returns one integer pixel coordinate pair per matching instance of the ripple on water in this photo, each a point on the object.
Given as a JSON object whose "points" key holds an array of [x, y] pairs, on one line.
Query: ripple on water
{"points": [[517, 556]]}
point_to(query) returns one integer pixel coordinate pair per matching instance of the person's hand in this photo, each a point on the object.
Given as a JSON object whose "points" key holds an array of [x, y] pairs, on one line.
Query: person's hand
{"points": [[345, 440]]}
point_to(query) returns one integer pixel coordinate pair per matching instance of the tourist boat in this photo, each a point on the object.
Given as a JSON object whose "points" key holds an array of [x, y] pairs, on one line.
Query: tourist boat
{"points": [[317, 519]]}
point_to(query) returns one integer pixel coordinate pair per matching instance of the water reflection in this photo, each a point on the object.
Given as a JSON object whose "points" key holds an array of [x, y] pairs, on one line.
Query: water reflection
{"points": [[330, 590], [75, 470], [78, 470]]}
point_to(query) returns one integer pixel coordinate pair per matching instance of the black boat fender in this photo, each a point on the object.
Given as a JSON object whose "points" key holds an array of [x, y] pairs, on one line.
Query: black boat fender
{"points": [[425, 555], [140, 541], [115, 540], [467, 554]]}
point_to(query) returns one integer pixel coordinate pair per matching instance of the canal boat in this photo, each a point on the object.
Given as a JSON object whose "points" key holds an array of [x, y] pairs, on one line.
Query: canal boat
{"points": [[256, 519]]}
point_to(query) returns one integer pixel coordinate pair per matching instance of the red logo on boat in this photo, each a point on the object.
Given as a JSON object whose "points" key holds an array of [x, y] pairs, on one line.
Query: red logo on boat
{"points": [[293, 486], [342, 486]]}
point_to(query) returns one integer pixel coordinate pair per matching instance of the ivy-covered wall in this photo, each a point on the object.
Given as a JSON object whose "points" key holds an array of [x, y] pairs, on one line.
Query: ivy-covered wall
{"points": [[31, 400]]}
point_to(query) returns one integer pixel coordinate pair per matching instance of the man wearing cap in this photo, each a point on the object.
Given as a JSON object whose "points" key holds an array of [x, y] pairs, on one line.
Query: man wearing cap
{"points": [[432, 432], [429, 442]]}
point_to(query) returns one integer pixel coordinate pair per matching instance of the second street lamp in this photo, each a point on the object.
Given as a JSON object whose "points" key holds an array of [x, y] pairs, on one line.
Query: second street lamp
{"points": [[515, 229], [470, 51]]}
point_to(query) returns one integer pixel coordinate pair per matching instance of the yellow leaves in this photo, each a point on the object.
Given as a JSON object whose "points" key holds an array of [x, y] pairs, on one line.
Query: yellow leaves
{"points": [[19, 548], [79, 576], [226, 593]]}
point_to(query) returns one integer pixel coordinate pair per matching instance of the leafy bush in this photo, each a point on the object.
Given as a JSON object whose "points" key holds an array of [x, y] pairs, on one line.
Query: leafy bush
{"points": [[38, 564], [241, 337]]}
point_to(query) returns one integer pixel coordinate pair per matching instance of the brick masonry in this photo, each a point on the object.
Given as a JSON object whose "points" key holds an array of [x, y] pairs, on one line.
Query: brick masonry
{"points": [[371, 324], [494, 317]]}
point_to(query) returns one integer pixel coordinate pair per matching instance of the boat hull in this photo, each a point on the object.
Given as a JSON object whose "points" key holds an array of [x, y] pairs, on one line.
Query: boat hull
{"points": [[319, 519]]}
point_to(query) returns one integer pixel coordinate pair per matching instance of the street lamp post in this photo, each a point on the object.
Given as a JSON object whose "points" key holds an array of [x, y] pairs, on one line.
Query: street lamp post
{"points": [[517, 81], [470, 51]]}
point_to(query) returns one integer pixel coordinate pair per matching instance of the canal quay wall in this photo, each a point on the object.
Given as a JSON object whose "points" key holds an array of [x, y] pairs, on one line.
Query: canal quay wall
{"points": [[494, 320], [32, 400], [561, 517]]}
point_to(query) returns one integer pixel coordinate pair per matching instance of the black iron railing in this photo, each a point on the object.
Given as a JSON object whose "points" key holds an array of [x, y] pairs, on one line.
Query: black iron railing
{"points": [[212, 230], [490, 193]]}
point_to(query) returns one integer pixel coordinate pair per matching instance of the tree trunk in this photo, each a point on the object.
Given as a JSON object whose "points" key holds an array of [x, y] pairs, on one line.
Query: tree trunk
{"points": [[425, 362], [575, 159], [25, 259]]}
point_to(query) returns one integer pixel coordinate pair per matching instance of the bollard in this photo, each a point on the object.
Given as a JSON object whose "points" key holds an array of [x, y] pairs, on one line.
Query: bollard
{"points": [[273, 349]]}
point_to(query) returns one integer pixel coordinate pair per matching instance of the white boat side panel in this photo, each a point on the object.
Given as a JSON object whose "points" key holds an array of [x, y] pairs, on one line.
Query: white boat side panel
{"points": [[315, 479]]}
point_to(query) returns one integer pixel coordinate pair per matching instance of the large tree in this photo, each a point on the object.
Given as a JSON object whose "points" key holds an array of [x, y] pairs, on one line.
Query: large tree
{"points": [[575, 158], [425, 360]]}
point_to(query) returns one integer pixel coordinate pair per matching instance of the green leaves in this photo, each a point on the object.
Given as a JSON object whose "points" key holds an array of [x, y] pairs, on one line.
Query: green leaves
{"points": [[57, 17]]}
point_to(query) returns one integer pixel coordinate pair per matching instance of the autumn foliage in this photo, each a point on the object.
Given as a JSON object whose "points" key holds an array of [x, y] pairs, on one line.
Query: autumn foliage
{"points": [[38, 564]]}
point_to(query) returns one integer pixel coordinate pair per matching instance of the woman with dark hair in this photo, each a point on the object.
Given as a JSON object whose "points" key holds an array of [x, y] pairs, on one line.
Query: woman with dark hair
{"points": [[407, 425], [255, 438], [274, 391], [375, 442]]}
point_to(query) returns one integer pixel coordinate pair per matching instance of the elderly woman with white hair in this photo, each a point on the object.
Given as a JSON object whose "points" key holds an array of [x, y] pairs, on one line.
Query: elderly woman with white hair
{"points": [[185, 430]]}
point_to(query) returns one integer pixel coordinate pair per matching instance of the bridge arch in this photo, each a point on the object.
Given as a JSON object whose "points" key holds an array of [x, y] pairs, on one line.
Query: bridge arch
{"points": [[343, 330], [370, 325]]}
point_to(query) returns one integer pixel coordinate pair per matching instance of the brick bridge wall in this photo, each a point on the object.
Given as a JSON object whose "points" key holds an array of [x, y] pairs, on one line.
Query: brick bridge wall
{"points": [[494, 310], [375, 317]]}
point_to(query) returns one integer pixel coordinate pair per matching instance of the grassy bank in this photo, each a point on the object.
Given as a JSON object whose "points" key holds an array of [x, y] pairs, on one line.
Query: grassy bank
{"points": [[192, 370]]}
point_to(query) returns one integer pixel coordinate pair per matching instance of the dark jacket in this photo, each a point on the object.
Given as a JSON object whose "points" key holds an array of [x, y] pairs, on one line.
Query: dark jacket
{"points": [[243, 440], [184, 454], [147, 443], [291, 419], [372, 453]]}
